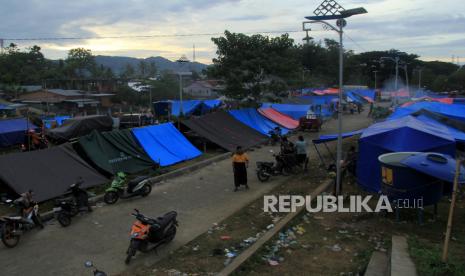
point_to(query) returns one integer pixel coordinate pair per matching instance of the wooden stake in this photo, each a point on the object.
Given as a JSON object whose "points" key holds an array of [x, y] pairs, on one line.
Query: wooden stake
{"points": [[451, 211]]}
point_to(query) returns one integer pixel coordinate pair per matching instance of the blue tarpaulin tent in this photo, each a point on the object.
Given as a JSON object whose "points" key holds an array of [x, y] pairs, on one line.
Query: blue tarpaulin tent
{"points": [[58, 119], [404, 134], [188, 107], [453, 111], [255, 120], [332, 137], [365, 93], [12, 131], [165, 144], [296, 111]]}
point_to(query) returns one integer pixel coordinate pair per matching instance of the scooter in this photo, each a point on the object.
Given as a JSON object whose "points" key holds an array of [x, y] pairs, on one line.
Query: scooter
{"points": [[147, 234], [66, 208], [97, 272], [12, 227], [267, 169], [139, 186]]}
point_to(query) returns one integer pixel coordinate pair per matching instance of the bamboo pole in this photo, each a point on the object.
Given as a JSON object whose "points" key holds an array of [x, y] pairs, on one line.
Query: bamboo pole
{"points": [[451, 211]]}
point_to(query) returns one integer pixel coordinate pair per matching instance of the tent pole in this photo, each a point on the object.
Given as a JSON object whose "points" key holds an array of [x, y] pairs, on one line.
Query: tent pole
{"points": [[330, 152], [319, 155], [451, 211]]}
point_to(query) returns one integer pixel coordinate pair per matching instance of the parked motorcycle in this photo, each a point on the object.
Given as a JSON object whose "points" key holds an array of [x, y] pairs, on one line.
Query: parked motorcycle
{"points": [[148, 234], [282, 166], [66, 208], [12, 227], [139, 186], [97, 272]]}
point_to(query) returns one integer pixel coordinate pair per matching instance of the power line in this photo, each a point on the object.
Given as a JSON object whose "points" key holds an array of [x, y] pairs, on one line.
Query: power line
{"points": [[363, 49], [139, 36]]}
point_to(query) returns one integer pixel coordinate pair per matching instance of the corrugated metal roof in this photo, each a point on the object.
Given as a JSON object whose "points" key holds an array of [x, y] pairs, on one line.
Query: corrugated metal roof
{"points": [[64, 92]]}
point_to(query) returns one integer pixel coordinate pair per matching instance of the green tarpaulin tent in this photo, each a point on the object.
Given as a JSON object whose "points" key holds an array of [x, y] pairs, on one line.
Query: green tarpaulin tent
{"points": [[115, 151]]}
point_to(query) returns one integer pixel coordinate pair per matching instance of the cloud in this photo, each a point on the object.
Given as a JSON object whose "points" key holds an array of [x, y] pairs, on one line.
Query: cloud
{"points": [[418, 25]]}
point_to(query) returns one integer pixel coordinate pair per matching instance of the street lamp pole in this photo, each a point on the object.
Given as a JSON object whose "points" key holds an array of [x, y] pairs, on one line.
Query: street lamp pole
{"points": [[329, 10], [376, 82]]}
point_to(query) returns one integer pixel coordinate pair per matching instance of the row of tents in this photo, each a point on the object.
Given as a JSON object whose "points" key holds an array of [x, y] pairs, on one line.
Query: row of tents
{"points": [[96, 155], [420, 127]]}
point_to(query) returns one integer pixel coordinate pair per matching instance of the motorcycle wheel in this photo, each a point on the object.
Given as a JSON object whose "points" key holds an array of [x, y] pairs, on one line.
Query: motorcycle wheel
{"points": [[287, 171], [132, 249], [64, 219], [110, 197], [146, 190], [262, 176], [172, 234], [8, 238]]}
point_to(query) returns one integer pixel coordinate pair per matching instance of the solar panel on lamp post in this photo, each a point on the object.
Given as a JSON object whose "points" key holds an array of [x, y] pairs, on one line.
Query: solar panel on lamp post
{"points": [[331, 10]]}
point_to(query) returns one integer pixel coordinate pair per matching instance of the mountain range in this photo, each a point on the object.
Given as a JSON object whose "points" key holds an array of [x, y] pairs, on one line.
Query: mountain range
{"points": [[118, 64]]}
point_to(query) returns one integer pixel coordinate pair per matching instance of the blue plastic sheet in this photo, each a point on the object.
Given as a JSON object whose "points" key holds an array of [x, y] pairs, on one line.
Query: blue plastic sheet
{"points": [[370, 93], [12, 131], [332, 137], [165, 144], [404, 134], [453, 111], [255, 120], [296, 111], [188, 107]]}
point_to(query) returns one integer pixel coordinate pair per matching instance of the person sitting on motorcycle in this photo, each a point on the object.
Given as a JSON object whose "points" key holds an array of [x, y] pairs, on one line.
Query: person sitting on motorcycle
{"points": [[287, 147], [81, 196], [120, 177], [25, 204]]}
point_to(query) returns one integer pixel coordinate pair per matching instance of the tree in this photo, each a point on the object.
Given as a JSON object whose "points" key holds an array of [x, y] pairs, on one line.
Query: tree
{"points": [[248, 63], [80, 63], [128, 72], [142, 69], [152, 70]]}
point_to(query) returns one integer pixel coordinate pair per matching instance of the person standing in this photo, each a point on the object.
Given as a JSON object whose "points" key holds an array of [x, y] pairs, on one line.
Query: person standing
{"points": [[240, 162], [301, 147]]}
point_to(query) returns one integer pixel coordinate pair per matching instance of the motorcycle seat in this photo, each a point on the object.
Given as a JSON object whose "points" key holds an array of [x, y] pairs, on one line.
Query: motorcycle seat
{"points": [[264, 163], [166, 218]]}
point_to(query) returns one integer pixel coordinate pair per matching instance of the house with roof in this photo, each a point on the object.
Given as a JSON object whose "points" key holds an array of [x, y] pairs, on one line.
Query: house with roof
{"points": [[67, 100], [204, 89]]}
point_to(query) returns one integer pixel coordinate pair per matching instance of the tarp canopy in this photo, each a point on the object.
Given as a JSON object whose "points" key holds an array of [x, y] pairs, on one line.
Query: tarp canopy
{"points": [[49, 172], [324, 99], [454, 111], [59, 120], [225, 131], [13, 131], [80, 126], [189, 107], [5, 107], [165, 144], [253, 119], [332, 137], [404, 134], [212, 103], [115, 151], [279, 118], [296, 111], [370, 93]]}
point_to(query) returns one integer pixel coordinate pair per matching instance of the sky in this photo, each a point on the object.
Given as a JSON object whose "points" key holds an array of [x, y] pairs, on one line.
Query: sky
{"points": [[433, 29]]}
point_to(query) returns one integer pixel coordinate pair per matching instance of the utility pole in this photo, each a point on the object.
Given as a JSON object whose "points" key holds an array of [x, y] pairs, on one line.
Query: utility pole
{"points": [[193, 54], [330, 10], [376, 82]]}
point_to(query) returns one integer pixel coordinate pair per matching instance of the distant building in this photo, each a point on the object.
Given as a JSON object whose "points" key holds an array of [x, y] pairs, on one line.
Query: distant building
{"points": [[67, 100], [205, 89], [31, 88]]}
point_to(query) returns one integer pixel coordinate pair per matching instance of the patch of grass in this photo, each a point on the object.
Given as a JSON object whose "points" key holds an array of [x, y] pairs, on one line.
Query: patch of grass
{"points": [[427, 258]]}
